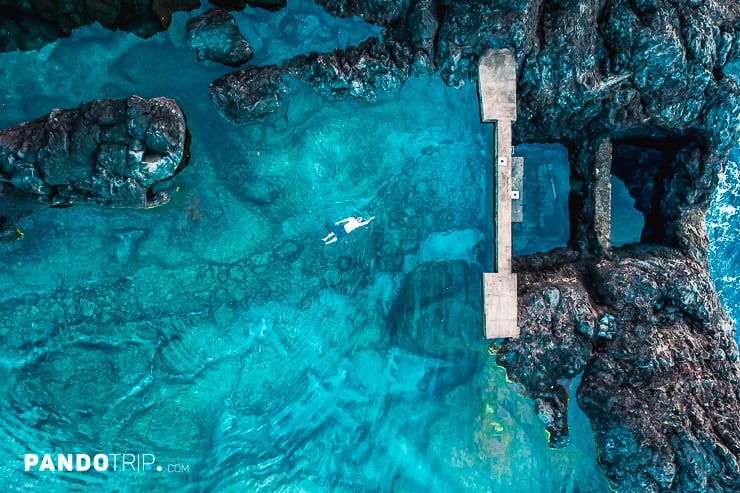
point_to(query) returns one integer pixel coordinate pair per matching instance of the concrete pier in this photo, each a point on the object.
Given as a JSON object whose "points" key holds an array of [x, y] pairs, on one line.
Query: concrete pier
{"points": [[497, 91]]}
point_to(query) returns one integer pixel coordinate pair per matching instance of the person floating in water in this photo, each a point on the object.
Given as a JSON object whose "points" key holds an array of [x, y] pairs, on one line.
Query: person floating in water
{"points": [[345, 227]]}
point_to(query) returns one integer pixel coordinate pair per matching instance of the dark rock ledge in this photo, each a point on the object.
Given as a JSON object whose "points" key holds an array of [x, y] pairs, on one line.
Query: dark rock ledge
{"points": [[107, 152], [215, 36], [661, 375], [31, 24], [272, 5], [361, 71]]}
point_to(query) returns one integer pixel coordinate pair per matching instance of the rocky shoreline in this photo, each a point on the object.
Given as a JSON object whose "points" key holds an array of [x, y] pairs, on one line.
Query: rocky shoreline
{"points": [[648, 91], [29, 25], [660, 368]]}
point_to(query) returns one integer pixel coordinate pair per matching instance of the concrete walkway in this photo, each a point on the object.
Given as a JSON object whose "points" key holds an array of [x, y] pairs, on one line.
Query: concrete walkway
{"points": [[497, 90]]}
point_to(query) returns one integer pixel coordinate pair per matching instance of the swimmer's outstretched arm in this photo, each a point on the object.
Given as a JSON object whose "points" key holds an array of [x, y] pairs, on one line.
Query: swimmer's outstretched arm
{"points": [[346, 219], [363, 223]]}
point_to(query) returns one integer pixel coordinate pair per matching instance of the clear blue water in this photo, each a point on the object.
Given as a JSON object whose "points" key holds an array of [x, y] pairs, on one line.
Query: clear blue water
{"points": [[544, 199], [627, 222], [545, 203], [723, 224], [219, 334]]}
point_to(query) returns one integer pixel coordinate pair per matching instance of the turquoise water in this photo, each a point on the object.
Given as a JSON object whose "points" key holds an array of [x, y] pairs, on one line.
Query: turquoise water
{"points": [[220, 335], [722, 227], [546, 223], [626, 221]]}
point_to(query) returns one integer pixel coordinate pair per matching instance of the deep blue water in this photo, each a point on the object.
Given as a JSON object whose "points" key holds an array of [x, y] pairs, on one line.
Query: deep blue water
{"points": [[546, 177], [219, 334]]}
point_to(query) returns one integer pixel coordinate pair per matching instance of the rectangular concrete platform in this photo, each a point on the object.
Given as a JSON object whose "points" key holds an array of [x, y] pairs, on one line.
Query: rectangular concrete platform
{"points": [[497, 85], [500, 305]]}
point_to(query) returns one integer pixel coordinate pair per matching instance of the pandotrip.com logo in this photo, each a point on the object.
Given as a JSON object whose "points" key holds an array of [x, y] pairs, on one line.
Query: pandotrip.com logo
{"points": [[120, 462]]}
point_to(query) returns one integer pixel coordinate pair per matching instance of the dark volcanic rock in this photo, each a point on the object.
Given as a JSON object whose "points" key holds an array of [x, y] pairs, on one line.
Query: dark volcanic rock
{"points": [[360, 71], [30, 24], [272, 5], [215, 36], [383, 12], [108, 152], [467, 29], [372, 67], [660, 366], [648, 77], [249, 94]]}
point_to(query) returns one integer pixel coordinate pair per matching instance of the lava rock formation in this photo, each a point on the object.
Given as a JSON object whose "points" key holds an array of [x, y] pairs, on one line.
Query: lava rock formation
{"points": [[108, 152], [215, 36], [249, 94], [31, 24], [271, 5]]}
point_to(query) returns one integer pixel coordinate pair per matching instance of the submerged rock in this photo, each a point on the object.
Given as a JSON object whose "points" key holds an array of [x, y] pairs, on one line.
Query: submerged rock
{"points": [[215, 36], [426, 319], [109, 152]]}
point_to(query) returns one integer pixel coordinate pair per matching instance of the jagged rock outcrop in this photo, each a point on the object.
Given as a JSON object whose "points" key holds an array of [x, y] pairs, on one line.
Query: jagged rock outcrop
{"points": [[215, 36], [384, 13], [109, 152], [249, 94], [360, 71], [31, 24], [661, 374]]}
